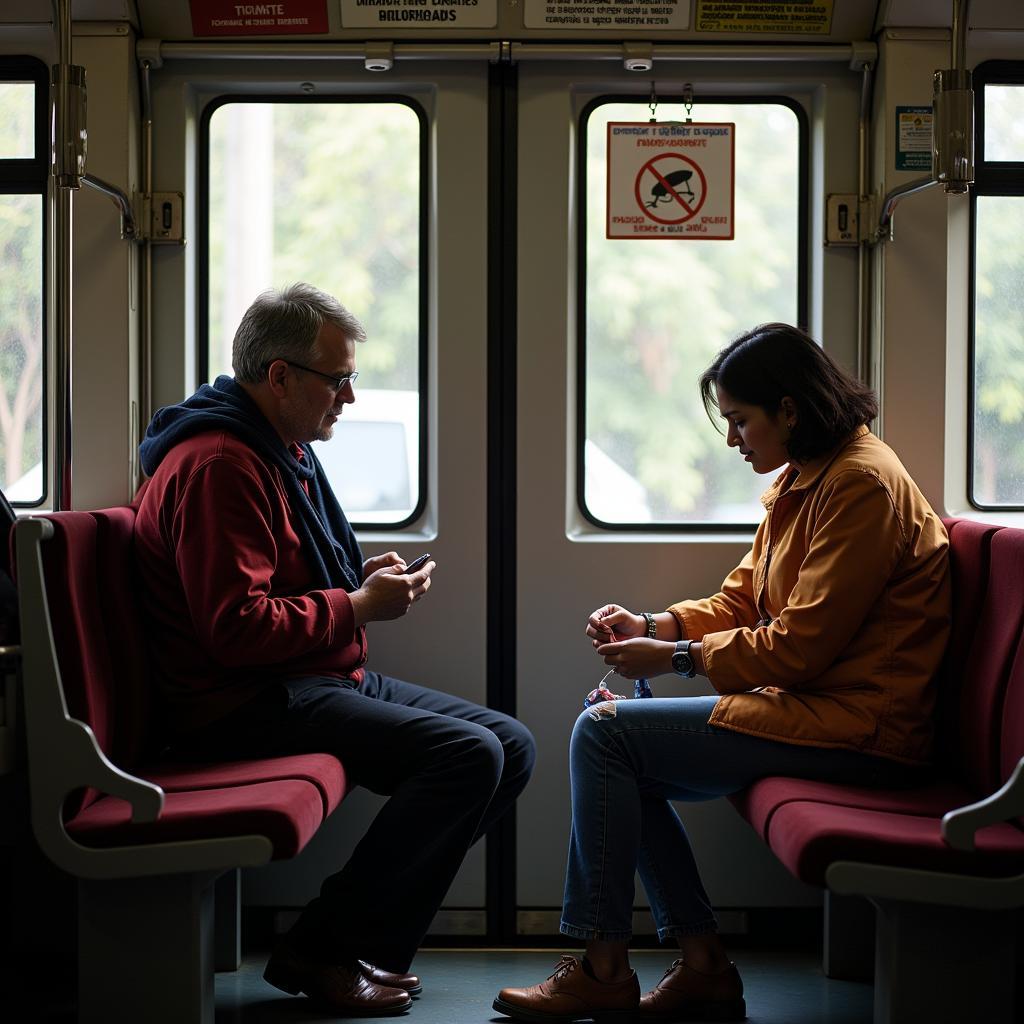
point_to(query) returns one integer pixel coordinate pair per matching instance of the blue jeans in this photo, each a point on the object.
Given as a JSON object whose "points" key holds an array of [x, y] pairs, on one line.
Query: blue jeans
{"points": [[627, 760]]}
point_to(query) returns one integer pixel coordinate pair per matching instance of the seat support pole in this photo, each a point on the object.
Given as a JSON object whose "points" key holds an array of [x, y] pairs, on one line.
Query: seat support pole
{"points": [[145, 950], [227, 916], [849, 941], [944, 965]]}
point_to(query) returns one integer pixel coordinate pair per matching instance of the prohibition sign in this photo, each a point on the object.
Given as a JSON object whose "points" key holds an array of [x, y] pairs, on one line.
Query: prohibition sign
{"points": [[667, 188]]}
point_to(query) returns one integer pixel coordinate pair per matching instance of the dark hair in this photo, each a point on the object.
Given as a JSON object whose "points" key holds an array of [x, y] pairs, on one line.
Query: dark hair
{"points": [[772, 361]]}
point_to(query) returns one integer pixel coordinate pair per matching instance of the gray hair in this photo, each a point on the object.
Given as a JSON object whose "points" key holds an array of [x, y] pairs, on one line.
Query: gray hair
{"points": [[284, 325]]}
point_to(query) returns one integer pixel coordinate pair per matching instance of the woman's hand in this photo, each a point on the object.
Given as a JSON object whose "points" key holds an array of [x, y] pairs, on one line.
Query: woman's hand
{"points": [[638, 658], [613, 622]]}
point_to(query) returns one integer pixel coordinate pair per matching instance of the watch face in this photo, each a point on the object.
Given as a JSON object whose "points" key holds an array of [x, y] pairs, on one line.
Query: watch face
{"points": [[682, 662]]}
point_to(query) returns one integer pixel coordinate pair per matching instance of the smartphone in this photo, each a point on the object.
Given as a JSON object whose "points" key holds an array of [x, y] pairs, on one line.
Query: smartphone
{"points": [[416, 564]]}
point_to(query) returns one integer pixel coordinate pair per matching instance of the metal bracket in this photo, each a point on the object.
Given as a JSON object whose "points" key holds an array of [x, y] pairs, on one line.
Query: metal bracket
{"points": [[147, 51], [864, 55]]}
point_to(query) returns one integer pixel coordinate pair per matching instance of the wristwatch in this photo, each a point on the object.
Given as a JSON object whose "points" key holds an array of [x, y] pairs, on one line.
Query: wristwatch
{"points": [[682, 663]]}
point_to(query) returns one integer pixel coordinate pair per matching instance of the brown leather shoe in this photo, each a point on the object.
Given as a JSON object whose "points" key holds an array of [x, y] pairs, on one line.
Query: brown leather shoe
{"points": [[342, 988], [687, 994], [571, 994], [408, 982]]}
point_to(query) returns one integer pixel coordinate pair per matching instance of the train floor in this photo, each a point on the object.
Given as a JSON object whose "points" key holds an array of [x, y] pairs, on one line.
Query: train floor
{"points": [[781, 987]]}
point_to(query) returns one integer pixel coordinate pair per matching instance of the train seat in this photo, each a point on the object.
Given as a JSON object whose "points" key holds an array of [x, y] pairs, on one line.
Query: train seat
{"points": [[148, 841], [955, 841]]}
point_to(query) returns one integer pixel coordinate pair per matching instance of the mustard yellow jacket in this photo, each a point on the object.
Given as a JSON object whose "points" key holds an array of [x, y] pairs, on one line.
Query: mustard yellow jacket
{"points": [[830, 631]]}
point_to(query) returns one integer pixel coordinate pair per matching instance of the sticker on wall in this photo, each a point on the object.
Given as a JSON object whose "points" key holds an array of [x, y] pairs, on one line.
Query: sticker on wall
{"points": [[669, 180], [419, 13], [807, 17], [283, 18], [913, 138], [613, 15]]}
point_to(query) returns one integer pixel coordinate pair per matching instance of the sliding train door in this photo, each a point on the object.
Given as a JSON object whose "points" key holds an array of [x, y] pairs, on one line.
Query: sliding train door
{"points": [[372, 187], [626, 492]]}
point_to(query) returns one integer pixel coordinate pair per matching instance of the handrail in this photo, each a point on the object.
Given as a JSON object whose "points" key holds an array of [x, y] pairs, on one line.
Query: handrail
{"points": [[129, 227]]}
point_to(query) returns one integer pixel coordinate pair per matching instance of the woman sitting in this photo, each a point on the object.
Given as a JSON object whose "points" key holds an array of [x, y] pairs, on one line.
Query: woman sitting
{"points": [[822, 644]]}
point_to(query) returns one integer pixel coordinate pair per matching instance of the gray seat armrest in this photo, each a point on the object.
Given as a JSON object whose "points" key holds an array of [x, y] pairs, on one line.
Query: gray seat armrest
{"points": [[959, 825], [880, 881], [64, 756]]}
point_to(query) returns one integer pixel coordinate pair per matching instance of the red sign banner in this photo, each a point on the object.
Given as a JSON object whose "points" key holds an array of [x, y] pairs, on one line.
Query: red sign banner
{"points": [[285, 17]]}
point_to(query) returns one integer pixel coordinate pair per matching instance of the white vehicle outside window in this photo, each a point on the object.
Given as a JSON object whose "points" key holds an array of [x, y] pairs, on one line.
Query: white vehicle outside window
{"points": [[372, 460]]}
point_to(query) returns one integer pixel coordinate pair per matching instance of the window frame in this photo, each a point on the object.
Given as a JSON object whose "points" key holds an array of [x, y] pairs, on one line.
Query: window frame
{"points": [[30, 176], [203, 262], [991, 178], [802, 303]]}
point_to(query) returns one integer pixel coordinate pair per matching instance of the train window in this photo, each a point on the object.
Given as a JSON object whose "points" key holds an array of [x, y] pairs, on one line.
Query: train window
{"points": [[653, 313], [23, 158], [1004, 139], [331, 193], [997, 361], [17, 127]]}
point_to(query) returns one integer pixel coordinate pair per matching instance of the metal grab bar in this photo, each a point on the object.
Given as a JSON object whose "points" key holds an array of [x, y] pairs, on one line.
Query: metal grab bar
{"points": [[129, 226]]}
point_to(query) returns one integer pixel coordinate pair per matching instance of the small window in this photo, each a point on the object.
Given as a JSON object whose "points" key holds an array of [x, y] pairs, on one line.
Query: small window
{"points": [[331, 193], [997, 330], [653, 313], [1004, 131], [23, 171]]}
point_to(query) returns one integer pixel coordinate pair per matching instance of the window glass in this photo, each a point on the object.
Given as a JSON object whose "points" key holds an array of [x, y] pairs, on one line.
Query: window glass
{"points": [[17, 120], [998, 459], [329, 193], [657, 311], [1004, 122], [22, 352]]}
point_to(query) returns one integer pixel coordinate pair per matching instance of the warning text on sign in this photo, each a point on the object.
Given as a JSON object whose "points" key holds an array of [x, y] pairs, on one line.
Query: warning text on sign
{"points": [[670, 180]]}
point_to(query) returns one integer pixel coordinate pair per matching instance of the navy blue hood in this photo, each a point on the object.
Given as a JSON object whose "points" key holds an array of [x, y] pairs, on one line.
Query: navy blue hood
{"points": [[327, 537]]}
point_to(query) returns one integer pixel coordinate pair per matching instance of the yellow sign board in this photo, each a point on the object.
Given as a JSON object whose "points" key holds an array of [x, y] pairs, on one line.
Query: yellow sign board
{"points": [[808, 17]]}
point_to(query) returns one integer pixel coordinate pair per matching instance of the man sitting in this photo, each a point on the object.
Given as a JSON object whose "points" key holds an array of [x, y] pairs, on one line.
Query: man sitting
{"points": [[259, 596]]}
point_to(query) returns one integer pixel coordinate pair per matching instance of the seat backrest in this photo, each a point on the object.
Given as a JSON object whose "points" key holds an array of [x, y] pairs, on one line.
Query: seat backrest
{"points": [[98, 632], [1011, 718], [970, 557], [988, 667]]}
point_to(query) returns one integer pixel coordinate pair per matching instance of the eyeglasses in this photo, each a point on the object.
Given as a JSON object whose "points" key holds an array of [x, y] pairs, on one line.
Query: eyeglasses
{"points": [[337, 383]]}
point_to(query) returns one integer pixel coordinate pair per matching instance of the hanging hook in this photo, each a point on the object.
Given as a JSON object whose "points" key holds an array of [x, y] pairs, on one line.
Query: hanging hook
{"points": [[653, 102], [688, 101]]}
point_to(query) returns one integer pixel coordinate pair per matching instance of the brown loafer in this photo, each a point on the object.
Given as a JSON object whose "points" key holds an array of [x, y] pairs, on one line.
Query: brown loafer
{"points": [[571, 994], [687, 994], [342, 988], [408, 982]]}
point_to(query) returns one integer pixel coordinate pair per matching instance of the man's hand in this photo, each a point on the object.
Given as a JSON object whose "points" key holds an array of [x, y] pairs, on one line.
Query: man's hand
{"points": [[638, 658], [613, 617], [388, 593], [371, 565]]}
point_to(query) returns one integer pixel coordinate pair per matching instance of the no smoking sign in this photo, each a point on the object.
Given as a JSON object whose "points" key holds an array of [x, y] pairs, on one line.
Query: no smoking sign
{"points": [[670, 180]]}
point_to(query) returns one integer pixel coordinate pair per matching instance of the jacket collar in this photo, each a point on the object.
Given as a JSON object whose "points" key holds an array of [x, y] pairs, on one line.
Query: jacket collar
{"points": [[802, 478]]}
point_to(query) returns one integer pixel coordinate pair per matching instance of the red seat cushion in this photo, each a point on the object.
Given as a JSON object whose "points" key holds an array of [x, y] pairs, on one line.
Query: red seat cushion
{"points": [[321, 770], [288, 812], [807, 836], [759, 802]]}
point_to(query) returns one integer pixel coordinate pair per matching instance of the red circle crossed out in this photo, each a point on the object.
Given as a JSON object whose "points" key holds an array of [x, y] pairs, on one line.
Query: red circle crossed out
{"points": [[688, 211]]}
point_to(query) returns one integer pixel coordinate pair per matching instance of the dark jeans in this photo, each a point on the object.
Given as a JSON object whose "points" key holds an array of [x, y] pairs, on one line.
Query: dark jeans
{"points": [[450, 767]]}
